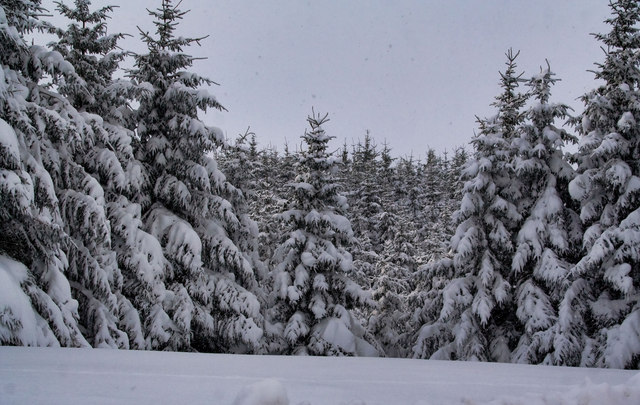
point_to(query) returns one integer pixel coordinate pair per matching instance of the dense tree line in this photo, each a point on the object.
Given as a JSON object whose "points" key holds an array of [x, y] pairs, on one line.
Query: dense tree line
{"points": [[143, 228]]}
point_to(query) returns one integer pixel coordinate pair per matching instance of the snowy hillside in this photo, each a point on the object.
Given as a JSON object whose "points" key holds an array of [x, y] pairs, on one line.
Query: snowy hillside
{"points": [[83, 376]]}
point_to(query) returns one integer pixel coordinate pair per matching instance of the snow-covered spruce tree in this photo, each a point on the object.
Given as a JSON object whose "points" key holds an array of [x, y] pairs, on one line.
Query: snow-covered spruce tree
{"points": [[366, 194], [255, 173], [470, 315], [454, 173], [364, 204], [96, 280], [452, 186], [435, 225], [395, 257], [273, 176], [37, 305], [601, 310], [242, 162], [96, 57], [106, 154], [247, 172], [312, 265], [395, 274], [193, 211], [402, 199], [409, 189], [549, 239]]}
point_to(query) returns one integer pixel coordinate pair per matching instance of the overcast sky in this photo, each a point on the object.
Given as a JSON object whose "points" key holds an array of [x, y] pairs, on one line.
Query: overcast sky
{"points": [[414, 73]]}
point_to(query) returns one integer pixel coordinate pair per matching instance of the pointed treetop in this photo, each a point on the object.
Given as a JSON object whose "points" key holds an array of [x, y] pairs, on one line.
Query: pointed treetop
{"points": [[166, 19], [624, 31], [317, 132], [510, 103], [541, 83], [622, 42], [82, 14]]}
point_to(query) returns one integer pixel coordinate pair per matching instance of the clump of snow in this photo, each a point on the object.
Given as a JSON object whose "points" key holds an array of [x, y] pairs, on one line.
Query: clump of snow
{"points": [[265, 392], [626, 122], [181, 240], [20, 324], [9, 141], [343, 332], [578, 188]]}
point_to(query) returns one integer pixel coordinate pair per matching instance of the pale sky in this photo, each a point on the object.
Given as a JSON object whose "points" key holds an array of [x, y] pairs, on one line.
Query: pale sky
{"points": [[414, 73]]}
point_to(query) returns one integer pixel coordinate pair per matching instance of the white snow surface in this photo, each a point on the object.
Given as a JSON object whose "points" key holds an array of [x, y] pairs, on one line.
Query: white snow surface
{"points": [[102, 376]]}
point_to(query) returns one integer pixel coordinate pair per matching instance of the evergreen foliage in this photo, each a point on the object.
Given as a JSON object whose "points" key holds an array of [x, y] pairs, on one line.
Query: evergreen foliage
{"points": [[470, 318], [312, 265], [193, 209], [602, 305], [39, 130], [548, 240], [127, 222]]}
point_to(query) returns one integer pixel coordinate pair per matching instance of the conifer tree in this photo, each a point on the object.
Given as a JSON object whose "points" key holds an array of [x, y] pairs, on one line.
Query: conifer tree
{"points": [[37, 127], [106, 154], [93, 271], [312, 265], [460, 157], [366, 202], [600, 314], [395, 273], [470, 315], [193, 208], [548, 241], [434, 221], [95, 56], [365, 205], [246, 172], [452, 186]]}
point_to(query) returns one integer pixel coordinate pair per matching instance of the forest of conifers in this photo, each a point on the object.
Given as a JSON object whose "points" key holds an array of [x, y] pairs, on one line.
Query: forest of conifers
{"points": [[127, 222]]}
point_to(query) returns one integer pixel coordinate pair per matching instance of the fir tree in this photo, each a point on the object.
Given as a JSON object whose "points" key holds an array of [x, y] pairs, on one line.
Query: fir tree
{"points": [[434, 221], [95, 57], [107, 155], [470, 314], [365, 205], [34, 123], [366, 202], [395, 272], [193, 210], [601, 311], [312, 266], [548, 240]]}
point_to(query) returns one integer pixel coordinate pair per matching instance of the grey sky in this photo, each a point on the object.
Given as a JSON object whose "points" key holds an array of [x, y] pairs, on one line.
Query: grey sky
{"points": [[415, 73]]}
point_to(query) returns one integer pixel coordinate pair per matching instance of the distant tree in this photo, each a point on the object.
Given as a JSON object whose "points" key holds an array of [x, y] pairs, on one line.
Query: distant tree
{"points": [[455, 168], [391, 286], [434, 220], [365, 205], [366, 196]]}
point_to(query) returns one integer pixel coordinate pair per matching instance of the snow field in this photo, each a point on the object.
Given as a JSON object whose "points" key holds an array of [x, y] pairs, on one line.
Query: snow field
{"points": [[85, 376]]}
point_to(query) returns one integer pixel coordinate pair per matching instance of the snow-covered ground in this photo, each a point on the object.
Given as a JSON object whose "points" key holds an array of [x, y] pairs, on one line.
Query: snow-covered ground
{"points": [[92, 376]]}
